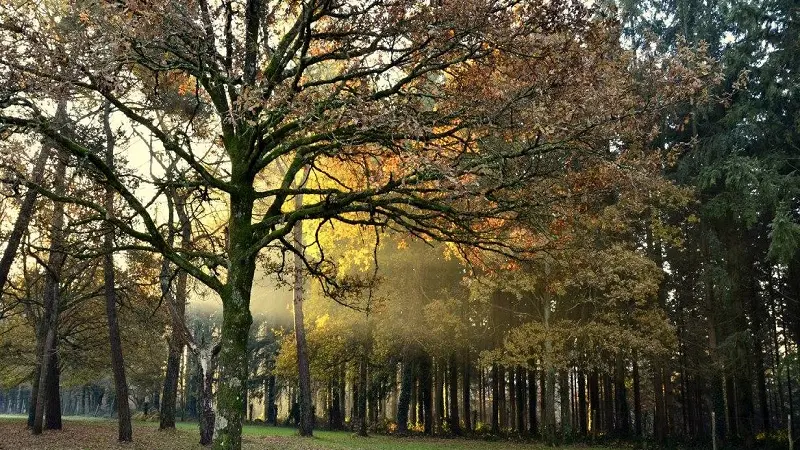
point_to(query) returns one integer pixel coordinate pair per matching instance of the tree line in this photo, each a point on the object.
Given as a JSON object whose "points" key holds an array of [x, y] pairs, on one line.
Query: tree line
{"points": [[545, 219]]}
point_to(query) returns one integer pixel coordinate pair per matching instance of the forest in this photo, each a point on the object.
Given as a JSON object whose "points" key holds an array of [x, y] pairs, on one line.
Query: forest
{"points": [[461, 224]]}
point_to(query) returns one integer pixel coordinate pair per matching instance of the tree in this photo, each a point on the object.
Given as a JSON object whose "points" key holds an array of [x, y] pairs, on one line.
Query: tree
{"points": [[392, 92]]}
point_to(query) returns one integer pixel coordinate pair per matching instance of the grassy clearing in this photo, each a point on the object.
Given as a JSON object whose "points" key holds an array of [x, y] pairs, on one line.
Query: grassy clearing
{"points": [[82, 433]]}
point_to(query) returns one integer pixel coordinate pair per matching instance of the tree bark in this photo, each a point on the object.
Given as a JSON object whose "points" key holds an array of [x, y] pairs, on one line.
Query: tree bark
{"points": [[206, 362], [177, 315], [48, 373], [236, 316], [117, 359]]}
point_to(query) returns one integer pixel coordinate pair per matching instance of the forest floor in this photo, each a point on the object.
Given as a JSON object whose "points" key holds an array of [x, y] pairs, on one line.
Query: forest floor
{"points": [[82, 433]]}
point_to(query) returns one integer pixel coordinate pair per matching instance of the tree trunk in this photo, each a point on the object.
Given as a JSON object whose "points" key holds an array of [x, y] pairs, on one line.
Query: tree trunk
{"points": [[637, 399], [621, 399], [495, 399], [52, 409], [438, 396], [177, 305], [455, 425], [303, 371], [426, 394], [24, 215], [594, 400], [466, 392], [533, 426], [48, 373], [236, 317], [519, 385], [206, 362], [406, 386], [563, 389], [117, 360], [582, 403], [361, 405]]}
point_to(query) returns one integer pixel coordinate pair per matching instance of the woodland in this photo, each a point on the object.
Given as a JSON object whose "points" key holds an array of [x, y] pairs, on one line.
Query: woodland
{"points": [[549, 221]]}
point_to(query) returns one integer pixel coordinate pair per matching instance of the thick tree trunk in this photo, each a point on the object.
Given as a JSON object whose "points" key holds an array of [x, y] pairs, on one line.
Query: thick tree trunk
{"points": [[52, 409], [236, 317], [117, 360], [236, 321]]}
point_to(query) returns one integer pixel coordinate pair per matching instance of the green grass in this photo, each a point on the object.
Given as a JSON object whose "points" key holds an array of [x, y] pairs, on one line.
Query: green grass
{"points": [[100, 432]]}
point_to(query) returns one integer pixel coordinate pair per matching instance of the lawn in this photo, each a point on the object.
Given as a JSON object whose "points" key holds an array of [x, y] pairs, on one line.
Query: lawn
{"points": [[89, 433]]}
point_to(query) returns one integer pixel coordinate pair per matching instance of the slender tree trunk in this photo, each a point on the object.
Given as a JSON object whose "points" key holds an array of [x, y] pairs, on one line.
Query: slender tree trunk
{"points": [[177, 305], [438, 395], [563, 388], [24, 215], [406, 386], [519, 385], [206, 363], [594, 400], [455, 425], [426, 394], [362, 393], [303, 370], [466, 392], [117, 360], [637, 399], [582, 402], [47, 390], [533, 426], [495, 399], [621, 398]]}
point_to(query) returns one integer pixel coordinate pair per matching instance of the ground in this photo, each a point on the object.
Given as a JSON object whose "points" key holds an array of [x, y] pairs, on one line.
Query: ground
{"points": [[87, 434]]}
